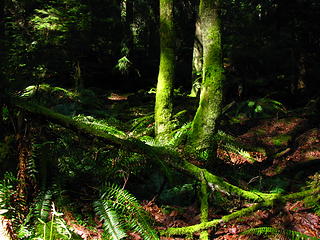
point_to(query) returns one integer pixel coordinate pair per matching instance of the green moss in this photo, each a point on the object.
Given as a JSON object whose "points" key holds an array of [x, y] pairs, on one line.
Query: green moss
{"points": [[259, 132], [204, 207], [219, 184], [47, 89], [163, 106], [238, 214], [210, 106], [281, 140]]}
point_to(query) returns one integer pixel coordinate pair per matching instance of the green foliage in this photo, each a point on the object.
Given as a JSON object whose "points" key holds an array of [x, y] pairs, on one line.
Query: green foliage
{"points": [[180, 135], [43, 205], [259, 108], [313, 200], [56, 228], [124, 65], [229, 143], [180, 195], [7, 190], [110, 219], [121, 212], [5, 113], [101, 125], [57, 18], [47, 91], [270, 231], [142, 126]]}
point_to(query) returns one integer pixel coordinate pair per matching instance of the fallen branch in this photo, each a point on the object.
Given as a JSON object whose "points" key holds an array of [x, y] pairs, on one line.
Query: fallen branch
{"points": [[204, 207], [160, 155], [240, 213]]}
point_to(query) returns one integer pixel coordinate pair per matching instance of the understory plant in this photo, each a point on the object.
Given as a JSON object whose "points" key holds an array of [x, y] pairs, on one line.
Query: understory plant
{"points": [[121, 212], [278, 233]]}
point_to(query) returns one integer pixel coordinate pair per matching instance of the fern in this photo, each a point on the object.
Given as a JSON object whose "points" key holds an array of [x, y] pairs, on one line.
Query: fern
{"points": [[111, 221], [122, 212], [180, 135], [229, 143], [258, 108], [270, 231], [37, 150], [7, 190], [43, 205], [142, 126]]}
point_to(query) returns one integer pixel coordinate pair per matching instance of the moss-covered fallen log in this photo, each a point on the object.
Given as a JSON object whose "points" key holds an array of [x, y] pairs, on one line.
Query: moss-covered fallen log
{"points": [[161, 155], [240, 213], [158, 154], [169, 158]]}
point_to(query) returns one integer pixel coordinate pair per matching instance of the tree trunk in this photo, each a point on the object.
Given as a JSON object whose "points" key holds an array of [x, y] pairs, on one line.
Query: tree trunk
{"points": [[197, 60], [205, 121], [163, 106]]}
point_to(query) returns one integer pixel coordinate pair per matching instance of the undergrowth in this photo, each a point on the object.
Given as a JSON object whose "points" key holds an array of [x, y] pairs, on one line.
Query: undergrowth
{"points": [[278, 233], [121, 212]]}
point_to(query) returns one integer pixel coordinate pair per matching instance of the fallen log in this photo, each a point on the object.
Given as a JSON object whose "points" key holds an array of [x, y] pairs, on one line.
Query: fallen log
{"points": [[160, 155], [189, 230]]}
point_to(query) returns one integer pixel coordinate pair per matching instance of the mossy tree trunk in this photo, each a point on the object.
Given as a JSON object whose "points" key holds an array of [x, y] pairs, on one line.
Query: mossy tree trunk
{"points": [[163, 106], [205, 121]]}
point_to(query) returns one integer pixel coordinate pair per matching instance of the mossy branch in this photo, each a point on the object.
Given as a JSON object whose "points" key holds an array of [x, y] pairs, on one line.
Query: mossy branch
{"points": [[203, 195], [162, 155], [240, 213]]}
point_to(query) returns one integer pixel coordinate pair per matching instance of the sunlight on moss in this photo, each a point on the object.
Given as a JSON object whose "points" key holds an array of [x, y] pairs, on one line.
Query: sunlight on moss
{"points": [[101, 125]]}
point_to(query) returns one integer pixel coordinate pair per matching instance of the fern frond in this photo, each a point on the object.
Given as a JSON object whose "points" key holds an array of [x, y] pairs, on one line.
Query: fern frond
{"points": [[134, 217], [268, 231], [141, 225], [111, 221], [229, 143], [180, 134], [43, 205]]}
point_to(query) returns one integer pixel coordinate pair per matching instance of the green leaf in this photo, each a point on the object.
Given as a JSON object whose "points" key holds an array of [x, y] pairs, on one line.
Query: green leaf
{"points": [[111, 220], [258, 109], [251, 103]]}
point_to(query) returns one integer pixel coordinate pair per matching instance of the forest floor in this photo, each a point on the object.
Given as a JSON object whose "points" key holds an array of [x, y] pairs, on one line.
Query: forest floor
{"points": [[286, 146], [284, 155], [299, 148]]}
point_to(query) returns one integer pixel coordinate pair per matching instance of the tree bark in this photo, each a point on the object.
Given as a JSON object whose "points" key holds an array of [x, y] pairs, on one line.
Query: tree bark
{"points": [[163, 106], [205, 121]]}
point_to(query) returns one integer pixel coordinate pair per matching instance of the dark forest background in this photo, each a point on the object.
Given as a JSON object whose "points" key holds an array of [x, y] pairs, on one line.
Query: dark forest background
{"points": [[270, 48]]}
